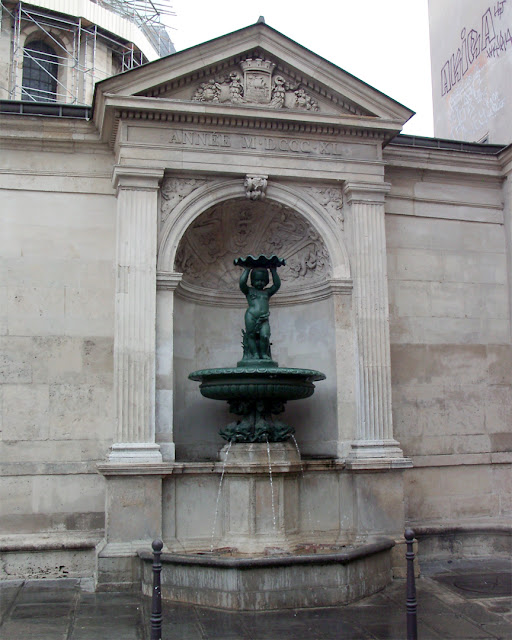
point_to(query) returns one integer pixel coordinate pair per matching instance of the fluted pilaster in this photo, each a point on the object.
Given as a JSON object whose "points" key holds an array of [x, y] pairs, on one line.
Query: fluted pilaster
{"points": [[374, 430], [167, 283], [135, 315]]}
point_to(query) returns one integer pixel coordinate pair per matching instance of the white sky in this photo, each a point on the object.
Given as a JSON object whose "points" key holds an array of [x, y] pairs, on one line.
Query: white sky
{"points": [[385, 43]]}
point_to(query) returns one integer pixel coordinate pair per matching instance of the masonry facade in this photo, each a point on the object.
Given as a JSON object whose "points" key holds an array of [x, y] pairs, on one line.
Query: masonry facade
{"points": [[117, 257]]}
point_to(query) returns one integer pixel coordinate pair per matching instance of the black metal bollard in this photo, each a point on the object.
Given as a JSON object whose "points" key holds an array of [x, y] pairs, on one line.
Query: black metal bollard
{"points": [[156, 597], [412, 623]]}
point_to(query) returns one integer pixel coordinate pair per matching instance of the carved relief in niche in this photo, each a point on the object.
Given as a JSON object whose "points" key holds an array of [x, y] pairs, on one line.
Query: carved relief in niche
{"points": [[331, 199], [257, 87], [207, 250], [173, 191]]}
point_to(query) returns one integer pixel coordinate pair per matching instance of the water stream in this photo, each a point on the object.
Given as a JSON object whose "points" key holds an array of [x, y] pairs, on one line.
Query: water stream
{"points": [[271, 486], [310, 520], [218, 495]]}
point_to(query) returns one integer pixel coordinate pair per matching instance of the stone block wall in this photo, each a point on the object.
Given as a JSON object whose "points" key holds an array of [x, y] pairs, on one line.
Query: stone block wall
{"points": [[56, 341], [450, 346]]}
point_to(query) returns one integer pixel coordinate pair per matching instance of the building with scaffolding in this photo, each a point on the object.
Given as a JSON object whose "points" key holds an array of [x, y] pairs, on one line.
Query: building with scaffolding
{"points": [[56, 50]]}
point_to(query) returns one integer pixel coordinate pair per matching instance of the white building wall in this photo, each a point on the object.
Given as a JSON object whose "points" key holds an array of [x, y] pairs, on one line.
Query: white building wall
{"points": [[471, 57]]}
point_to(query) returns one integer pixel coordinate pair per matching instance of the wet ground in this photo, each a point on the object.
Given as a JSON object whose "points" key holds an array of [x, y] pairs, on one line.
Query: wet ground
{"points": [[463, 600]]}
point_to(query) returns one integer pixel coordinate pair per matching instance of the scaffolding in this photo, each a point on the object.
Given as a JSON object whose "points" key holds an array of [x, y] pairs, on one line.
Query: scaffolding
{"points": [[76, 45]]}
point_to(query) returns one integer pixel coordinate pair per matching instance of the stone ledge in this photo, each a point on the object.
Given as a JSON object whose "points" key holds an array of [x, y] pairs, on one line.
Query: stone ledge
{"points": [[47, 468], [457, 459], [462, 540], [197, 468], [378, 464], [54, 541], [449, 528], [124, 549]]}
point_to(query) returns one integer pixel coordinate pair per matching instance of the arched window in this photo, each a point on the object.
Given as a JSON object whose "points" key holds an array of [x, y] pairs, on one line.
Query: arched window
{"points": [[39, 72]]}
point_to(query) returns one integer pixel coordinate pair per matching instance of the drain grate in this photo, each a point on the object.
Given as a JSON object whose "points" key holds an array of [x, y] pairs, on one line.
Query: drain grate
{"points": [[479, 585]]}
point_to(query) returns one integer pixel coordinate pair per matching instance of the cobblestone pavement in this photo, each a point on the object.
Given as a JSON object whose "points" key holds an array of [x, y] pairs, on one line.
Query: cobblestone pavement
{"points": [[462, 600]]}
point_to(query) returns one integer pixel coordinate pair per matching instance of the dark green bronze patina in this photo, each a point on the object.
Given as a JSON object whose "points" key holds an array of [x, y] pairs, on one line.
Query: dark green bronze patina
{"points": [[257, 388]]}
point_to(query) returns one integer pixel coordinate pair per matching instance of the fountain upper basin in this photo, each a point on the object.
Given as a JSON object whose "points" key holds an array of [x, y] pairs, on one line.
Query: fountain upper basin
{"points": [[259, 382]]}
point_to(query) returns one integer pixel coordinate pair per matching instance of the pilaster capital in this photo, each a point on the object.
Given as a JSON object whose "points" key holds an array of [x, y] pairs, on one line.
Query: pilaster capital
{"points": [[136, 178], [366, 192], [168, 280]]}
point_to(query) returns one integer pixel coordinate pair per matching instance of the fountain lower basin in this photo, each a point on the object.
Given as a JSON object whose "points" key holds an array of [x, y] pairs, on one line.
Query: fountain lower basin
{"points": [[302, 578]]}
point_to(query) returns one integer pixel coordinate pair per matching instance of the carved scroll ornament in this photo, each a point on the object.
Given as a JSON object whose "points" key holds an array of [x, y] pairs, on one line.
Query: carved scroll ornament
{"points": [[207, 250]]}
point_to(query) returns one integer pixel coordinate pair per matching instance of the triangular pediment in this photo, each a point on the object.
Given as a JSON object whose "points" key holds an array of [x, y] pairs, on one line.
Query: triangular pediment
{"points": [[255, 68]]}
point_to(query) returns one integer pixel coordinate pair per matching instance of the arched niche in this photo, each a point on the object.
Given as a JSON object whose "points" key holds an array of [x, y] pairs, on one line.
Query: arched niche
{"points": [[199, 239]]}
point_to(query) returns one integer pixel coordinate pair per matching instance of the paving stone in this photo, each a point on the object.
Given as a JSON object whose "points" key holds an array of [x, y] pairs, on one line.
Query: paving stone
{"points": [[112, 633], [183, 631], [118, 597], [7, 596], [453, 626], [61, 584], [66, 597], [480, 613], [229, 626], [500, 630], [34, 630], [91, 610], [40, 611], [282, 626], [335, 629], [478, 585]]}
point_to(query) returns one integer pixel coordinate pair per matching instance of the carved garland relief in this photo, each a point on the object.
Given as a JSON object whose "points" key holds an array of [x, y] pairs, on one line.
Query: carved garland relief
{"points": [[257, 87], [331, 199]]}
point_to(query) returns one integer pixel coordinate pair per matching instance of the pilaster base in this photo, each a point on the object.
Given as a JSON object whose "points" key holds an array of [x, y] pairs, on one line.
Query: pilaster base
{"points": [[168, 451], [127, 452], [377, 454], [133, 520]]}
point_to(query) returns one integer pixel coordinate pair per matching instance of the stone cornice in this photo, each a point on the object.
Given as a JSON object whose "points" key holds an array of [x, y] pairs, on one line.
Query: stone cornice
{"points": [[51, 541], [505, 158], [304, 295], [40, 133], [243, 118], [462, 210], [445, 160]]}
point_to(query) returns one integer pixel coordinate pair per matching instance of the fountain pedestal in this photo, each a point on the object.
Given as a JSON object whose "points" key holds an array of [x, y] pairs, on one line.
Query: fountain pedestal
{"points": [[258, 506], [260, 453]]}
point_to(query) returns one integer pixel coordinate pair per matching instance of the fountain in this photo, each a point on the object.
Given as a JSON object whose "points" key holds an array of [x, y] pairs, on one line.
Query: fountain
{"points": [[257, 388], [267, 553]]}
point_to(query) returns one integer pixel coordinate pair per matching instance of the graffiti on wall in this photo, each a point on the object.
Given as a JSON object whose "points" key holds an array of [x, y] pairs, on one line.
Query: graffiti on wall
{"points": [[491, 38], [471, 107]]}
